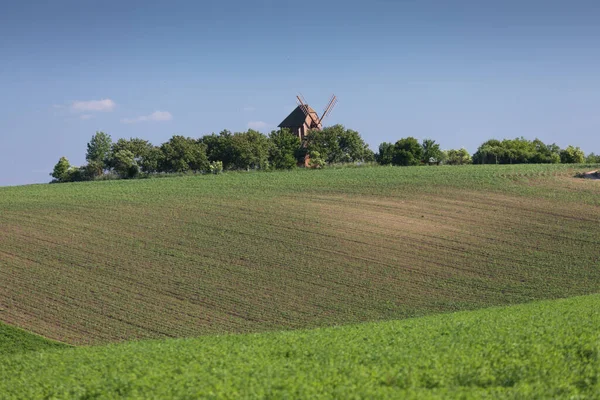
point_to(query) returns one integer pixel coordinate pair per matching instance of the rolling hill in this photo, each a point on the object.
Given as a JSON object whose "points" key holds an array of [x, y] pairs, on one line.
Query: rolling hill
{"points": [[549, 349], [100, 262]]}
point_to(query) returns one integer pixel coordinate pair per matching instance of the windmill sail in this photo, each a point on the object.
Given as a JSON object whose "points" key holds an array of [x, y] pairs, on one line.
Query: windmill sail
{"points": [[329, 108]]}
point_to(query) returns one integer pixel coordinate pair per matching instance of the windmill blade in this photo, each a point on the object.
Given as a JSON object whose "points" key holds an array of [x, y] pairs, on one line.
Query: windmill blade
{"points": [[303, 104], [329, 104], [303, 99], [329, 108], [304, 107]]}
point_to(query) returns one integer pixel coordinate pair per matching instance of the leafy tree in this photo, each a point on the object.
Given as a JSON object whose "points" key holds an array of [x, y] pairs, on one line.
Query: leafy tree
{"points": [[181, 154], [284, 149], [250, 150], [572, 155], [516, 151], [352, 146], [407, 151], [592, 159], [325, 143], [78, 174], [315, 160], [93, 169], [458, 157], [385, 154], [98, 148], [336, 144], [140, 150], [61, 170], [220, 148], [124, 163], [151, 161], [139, 147], [545, 154], [432, 154]]}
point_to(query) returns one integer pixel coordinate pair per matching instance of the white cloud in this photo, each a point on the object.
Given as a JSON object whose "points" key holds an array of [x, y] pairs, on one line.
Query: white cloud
{"points": [[93, 105], [155, 116], [248, 109], [257, 125], [86, 116]]}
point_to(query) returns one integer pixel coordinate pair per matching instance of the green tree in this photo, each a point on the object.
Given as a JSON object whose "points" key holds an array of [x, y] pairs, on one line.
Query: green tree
{"points": [[181, 154], [545, 154], [250, 150], [124, 163], [572, 155], [315, 160], [93, 169], [407, 151], [98, 148], [592, 159], [79, 174], [516, 151], [220, 148], [385, 154], [284, 149], [432, 154], [151, 161], [61, 170], [352, 147], [490, 152], [98, 155], [140, 149], [458, 157], [337, 144]]}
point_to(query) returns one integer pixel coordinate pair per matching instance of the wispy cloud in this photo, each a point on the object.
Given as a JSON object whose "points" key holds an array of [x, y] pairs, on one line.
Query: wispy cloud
{"points": [[93, 105], [155, 116], [248, 109], [258, 125], [86, 116]]}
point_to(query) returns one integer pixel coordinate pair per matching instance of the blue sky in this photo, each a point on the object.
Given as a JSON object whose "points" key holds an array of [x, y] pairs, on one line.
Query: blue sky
{"points": [[459, 72]]}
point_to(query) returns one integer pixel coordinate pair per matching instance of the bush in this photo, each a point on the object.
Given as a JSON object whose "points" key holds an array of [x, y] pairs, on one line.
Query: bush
{"points": [[572, 155], [216, 167]]}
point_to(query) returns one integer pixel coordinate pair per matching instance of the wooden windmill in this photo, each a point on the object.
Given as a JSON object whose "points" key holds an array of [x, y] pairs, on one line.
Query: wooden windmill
{"points": [[305, 118]]}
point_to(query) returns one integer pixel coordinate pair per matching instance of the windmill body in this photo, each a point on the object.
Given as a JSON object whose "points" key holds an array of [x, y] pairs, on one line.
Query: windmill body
{"points": [[299, 123], [305, 118]]}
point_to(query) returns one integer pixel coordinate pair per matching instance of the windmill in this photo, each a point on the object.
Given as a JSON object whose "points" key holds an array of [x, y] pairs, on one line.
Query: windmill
{"points": [[305, 118]]}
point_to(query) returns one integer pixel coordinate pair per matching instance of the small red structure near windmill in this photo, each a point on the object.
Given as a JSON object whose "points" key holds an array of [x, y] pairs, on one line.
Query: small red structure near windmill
{"points": [[305, 118]]}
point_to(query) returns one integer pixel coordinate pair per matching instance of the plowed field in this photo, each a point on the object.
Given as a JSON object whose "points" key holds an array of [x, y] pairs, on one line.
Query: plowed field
{"points": [[97, 262]]}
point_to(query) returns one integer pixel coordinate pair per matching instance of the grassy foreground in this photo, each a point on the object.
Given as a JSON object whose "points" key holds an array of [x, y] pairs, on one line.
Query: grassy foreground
{"points": [[98, 262], [548, 349]]}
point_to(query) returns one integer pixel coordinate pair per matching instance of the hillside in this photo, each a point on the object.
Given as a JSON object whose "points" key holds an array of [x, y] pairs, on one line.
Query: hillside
{"points": [[98, 262], [548, 349], [17, 341]]}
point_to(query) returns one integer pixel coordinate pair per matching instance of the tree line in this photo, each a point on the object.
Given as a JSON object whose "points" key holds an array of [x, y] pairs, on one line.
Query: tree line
{"points": [[280, 149], [408, 151], [250, 150]]}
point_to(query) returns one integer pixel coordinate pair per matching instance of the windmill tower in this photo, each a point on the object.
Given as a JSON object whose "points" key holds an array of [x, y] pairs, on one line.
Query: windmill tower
{"points": [[305, 118]]}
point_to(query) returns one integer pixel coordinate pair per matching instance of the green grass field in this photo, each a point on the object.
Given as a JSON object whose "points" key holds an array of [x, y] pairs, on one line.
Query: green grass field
{"points": [[99, 262], [548, 349]]}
